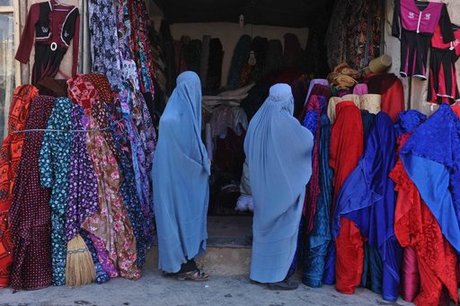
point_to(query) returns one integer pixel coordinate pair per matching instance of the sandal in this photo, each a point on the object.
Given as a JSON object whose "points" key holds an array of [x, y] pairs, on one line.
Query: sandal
{"points": [[195, 275], [284, 285]]}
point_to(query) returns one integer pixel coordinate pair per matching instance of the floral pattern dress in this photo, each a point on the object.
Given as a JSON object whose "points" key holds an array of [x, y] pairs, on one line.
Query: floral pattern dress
{"points": [[104, 39], [54, 164], [110, 223], [83, 197]]}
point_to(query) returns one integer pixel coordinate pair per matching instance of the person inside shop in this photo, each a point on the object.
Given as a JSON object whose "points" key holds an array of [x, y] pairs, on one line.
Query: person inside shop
{"points": [[278, 154], [181, 182]]}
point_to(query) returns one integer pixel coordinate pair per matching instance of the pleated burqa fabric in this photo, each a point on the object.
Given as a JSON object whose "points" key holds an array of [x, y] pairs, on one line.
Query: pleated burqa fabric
{"points": [[278, 153], [180, 177]]}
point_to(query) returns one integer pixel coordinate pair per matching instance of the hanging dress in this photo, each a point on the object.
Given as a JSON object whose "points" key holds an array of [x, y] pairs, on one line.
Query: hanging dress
{"points": [[30, 212], [53, 25], [10, 156], [415, 24], [105, 51], [442, 85]]}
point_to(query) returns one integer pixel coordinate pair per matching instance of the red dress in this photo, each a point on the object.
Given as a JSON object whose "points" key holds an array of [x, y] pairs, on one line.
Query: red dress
{"points": [[416, 227], [51, 26], [346, 149], [10, 154]]}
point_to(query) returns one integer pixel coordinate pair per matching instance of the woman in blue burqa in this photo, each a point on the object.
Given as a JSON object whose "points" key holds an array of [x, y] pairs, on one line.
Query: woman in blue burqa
{"points": [[181, 182], [278, 154]]}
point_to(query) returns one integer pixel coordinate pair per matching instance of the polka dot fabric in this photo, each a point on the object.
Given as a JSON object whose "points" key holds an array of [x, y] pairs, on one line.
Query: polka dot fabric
{"points": [[102, 85], [30, 212], [10, 155]]}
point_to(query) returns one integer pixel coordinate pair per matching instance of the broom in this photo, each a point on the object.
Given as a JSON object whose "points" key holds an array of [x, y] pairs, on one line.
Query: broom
{"points": [[79, 267]]}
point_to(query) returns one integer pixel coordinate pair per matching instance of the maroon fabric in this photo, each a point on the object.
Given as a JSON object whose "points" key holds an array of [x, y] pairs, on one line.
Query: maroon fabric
{"points": [[313, 188], [30, 212], [317, 90], [391, 89], [410, 278]]}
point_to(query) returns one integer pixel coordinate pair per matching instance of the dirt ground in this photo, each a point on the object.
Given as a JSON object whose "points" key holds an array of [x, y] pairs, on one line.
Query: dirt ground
{"points": [[154, 289]]}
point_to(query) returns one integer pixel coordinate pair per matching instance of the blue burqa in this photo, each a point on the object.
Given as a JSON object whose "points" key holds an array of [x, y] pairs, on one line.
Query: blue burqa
{"points": [[368, 199], [278, 153], [180, 177], [431, 158]]}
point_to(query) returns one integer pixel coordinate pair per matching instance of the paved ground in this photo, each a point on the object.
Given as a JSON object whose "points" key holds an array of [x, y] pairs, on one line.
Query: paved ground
{"points": [[154, 289]]}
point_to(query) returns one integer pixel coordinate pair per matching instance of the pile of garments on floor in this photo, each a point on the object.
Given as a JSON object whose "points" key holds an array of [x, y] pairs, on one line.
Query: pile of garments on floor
{"points": [[382, 206], [75, 187]]}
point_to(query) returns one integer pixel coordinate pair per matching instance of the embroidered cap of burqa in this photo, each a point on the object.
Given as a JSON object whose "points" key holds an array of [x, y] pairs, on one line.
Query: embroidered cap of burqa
{"points": [[278, 153], [180, 177]]}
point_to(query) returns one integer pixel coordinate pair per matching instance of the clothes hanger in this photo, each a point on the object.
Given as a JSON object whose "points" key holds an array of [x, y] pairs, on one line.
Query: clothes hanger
{"points": [[61, 3]]}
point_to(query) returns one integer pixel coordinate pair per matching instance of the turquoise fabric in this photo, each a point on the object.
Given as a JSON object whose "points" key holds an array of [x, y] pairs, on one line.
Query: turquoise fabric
{"points": [[181, 177], [278, 153], [54, 164]]}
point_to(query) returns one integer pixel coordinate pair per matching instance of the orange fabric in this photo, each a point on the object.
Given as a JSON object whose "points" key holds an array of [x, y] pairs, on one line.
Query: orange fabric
{"points": [[10, 155], [415, 226], [346, 148]]}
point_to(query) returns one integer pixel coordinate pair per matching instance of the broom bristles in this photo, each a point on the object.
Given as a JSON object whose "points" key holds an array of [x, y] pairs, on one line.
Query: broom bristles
{"points": [[80, 267]]}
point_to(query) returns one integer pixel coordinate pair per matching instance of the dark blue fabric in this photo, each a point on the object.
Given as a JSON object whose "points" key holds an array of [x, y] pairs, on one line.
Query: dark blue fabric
{"points": [[101, 276], [431, 158], [368, 123], [409, 121], [329, 269], [319, 238], [368, 199]]}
